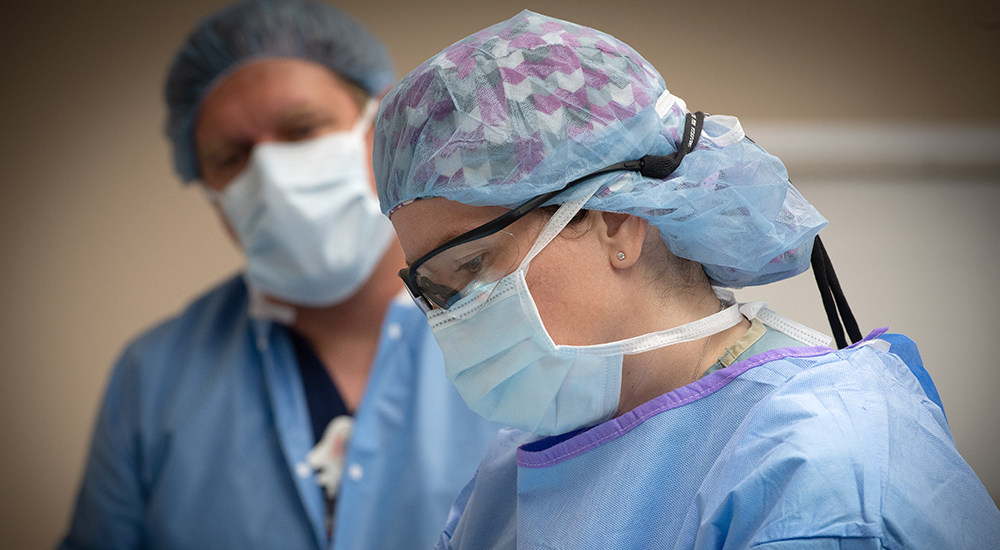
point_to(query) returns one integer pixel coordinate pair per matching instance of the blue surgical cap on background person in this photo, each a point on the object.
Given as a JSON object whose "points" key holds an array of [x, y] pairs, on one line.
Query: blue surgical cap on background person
{"points": [[231, 37], [525, 106]]}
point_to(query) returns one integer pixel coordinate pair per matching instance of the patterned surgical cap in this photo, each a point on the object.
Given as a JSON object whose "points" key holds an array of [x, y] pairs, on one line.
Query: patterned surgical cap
{"points": [[525, 106]]}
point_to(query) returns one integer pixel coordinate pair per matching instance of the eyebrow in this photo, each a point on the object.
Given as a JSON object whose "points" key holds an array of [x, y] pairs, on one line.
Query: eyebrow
{"points": [[306, 112], [445, 238], [221, 147]]}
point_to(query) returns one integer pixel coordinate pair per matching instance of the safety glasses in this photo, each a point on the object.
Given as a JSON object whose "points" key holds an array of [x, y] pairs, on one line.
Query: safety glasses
{"points": [[480, 257]]}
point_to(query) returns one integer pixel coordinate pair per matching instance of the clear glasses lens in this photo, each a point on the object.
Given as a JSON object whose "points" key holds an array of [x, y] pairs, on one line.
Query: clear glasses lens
{"points": [[457, 272]]}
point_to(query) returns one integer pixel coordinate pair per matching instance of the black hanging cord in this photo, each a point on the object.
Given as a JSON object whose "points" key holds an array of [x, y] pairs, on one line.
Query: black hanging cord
{"points": [[850, 323], [838, 312], [819, 270]]}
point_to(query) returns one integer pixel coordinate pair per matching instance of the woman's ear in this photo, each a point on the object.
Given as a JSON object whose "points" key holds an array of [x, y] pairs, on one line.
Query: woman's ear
{"points": [[622, 236]]}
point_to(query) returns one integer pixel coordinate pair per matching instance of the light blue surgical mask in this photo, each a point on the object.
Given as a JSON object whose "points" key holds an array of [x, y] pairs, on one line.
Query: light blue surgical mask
{"points": [[307, 217], [507, 368]]}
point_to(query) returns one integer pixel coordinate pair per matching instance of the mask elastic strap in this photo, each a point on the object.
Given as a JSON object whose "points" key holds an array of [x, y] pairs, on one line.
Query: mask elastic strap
{"points": [[368, 114], [261, 308], [689, 332], [559, 221]]}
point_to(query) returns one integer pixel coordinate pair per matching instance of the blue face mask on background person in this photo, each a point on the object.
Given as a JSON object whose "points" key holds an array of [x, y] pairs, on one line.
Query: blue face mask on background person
{"points": [[307, 217], [508, 370]]}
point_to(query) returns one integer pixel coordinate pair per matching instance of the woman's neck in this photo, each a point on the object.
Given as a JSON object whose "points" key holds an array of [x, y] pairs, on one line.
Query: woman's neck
{"points": [[653, 373]]}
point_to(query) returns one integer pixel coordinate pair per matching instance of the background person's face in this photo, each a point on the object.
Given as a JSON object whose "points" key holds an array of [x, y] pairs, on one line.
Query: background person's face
{"points": [[272, 100]]}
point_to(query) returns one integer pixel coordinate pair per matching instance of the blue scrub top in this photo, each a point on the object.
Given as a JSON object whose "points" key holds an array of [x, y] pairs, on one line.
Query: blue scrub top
{"points": [[202, 439], [795, 448]]}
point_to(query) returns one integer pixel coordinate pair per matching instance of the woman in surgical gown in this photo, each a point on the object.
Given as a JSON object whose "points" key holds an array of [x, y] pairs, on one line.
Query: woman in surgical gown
{"points": [[569, 227]]}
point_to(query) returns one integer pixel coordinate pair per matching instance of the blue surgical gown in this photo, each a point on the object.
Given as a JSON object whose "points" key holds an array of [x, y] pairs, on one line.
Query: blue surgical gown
{"points": [[795, 448], [202, 439]]}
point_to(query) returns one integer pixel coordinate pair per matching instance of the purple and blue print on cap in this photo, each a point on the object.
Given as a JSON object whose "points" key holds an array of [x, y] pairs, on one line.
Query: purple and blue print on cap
{"points": [[525, 106]]}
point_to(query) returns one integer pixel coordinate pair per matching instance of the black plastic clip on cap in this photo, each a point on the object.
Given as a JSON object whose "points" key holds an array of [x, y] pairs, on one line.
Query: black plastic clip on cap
{"points": [[654, 166]]}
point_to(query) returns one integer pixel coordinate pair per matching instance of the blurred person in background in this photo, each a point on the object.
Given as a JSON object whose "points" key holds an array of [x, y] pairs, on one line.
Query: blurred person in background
{"points": [[301, 404]]}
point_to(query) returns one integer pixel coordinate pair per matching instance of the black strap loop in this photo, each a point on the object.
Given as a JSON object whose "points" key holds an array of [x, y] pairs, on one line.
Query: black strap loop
{"points": [[838, 312]]}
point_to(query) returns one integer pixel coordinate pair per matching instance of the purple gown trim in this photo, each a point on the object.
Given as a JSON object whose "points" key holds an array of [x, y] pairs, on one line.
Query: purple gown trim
{"points": [[553, 450]]}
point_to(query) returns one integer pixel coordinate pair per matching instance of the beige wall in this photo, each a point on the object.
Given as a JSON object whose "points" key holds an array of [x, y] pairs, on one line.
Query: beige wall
{"points": [[98, 240]]}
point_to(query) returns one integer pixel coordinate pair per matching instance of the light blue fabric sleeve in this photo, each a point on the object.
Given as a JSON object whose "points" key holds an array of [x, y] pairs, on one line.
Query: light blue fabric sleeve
{"points": [[170, 465], [415, 436], [110, 504], [488, 516], [823, 544], [906, 349], [848, 450], [444, 541], [202, 437]]}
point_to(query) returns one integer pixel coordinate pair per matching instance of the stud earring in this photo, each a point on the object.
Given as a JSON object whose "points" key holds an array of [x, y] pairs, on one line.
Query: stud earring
{"points": [[621, 255]]}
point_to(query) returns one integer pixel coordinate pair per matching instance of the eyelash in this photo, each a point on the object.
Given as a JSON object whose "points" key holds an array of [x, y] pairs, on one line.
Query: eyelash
{"points": [[303, 131], [232, 160], [479, 260]]}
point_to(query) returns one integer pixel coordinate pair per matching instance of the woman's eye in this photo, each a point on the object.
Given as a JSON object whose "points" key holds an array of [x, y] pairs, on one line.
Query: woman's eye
{"points": [[473, 265]]}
